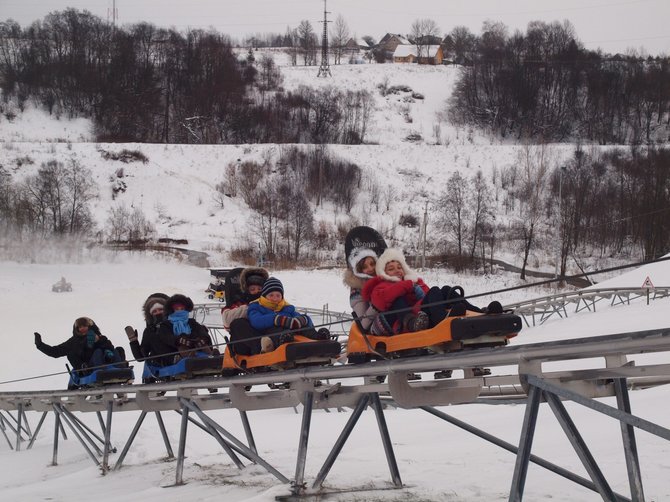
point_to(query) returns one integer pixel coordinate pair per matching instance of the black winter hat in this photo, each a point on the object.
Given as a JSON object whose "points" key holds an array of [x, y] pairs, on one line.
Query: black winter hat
{"points": [[272, 284]]}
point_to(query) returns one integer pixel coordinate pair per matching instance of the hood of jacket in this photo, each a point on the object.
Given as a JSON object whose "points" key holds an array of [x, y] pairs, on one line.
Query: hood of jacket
{"points": [[161, 298], [353, 281], [174, 299], [249, 271], [91, 325], [392, 254]]}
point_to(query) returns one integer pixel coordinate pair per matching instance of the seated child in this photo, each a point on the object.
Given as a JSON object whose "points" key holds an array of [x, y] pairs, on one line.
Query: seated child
{"points": [[396, 293], [361, 268], [273, 316]]}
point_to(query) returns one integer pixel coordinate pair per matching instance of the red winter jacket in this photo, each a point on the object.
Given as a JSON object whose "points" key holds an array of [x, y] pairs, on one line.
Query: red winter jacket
{"points": [[382, 292]]}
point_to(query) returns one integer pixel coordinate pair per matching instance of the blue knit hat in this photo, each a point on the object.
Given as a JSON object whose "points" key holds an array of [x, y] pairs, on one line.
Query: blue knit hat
{"points": [[272, 284]]}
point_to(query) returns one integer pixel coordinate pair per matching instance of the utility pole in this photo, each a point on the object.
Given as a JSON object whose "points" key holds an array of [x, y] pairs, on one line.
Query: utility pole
{"points": [[559, 226], [425, 227], [113, 13], [324, 69]]}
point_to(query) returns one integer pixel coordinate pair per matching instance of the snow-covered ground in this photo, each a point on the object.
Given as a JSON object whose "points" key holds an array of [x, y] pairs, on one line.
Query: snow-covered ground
{"points": [[437, 461]]}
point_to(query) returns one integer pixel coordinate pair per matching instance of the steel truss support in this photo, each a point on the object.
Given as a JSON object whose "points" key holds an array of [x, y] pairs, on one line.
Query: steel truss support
{"points": [[371, 399], [73, 423], [86, 437], [298, 484], [22, 426], [513, 449], [3, 429], [214, 428], [133, 434], [37, 430], [552, 394]]}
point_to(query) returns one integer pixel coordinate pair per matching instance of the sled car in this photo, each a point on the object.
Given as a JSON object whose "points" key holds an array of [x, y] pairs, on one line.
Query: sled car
{"points": [[453, 333], [101, 377], [200, 364], [302, 351]]}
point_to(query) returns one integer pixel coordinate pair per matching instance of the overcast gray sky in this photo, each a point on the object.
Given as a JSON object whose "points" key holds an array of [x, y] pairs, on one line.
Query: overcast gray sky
{"points": [[613, 25]]}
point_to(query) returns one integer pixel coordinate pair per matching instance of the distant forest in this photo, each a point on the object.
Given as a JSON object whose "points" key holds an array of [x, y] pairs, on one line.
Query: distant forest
{"points": [[141, 83], [146, 84]]}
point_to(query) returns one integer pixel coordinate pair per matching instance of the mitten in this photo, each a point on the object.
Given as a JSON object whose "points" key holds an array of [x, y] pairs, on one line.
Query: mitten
{"points": [[303, 320], [282, 321], [109, 355], [295, 323], [131, 333], [38, 338], [418, 292]]}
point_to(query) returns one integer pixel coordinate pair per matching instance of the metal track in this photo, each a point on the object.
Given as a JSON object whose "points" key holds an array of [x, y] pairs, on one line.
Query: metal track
{"points": [[520, 371], [538, 310], [517, 358]]}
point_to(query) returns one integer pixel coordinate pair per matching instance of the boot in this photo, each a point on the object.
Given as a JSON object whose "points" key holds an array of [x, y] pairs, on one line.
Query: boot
{"points": [[322, 334], [285, 338], [418, 322], [457, 309], [267, 345], [494, 308]]}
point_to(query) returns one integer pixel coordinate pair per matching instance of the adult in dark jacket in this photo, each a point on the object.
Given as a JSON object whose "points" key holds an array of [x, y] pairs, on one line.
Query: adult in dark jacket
{"points": [[154, 313], [244, 339], [86, 348], [179, 333]]}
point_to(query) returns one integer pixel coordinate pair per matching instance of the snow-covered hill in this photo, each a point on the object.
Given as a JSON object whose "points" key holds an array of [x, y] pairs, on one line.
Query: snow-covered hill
{"points": [[175, 189]]}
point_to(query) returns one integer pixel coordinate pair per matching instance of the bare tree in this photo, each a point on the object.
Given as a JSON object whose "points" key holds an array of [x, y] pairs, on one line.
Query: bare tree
{"points": [[424, 32], [339, 36], [481, 208], [390, 195], [58, 198], [535, 162], [453, 209], [307, 42], [117, 223]]}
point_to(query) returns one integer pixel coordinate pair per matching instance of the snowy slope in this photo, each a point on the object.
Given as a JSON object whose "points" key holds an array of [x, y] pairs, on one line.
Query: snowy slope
{"points": [[175, 189]]}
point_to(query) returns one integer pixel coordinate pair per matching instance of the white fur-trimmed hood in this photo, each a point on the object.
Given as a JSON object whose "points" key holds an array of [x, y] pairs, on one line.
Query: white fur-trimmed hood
{"points": [[392, 254]]}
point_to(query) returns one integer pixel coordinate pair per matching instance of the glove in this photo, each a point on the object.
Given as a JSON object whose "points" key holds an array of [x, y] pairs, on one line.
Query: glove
{"points": [[38, 338], [183, 342], [132, 334], [109, 355]]}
